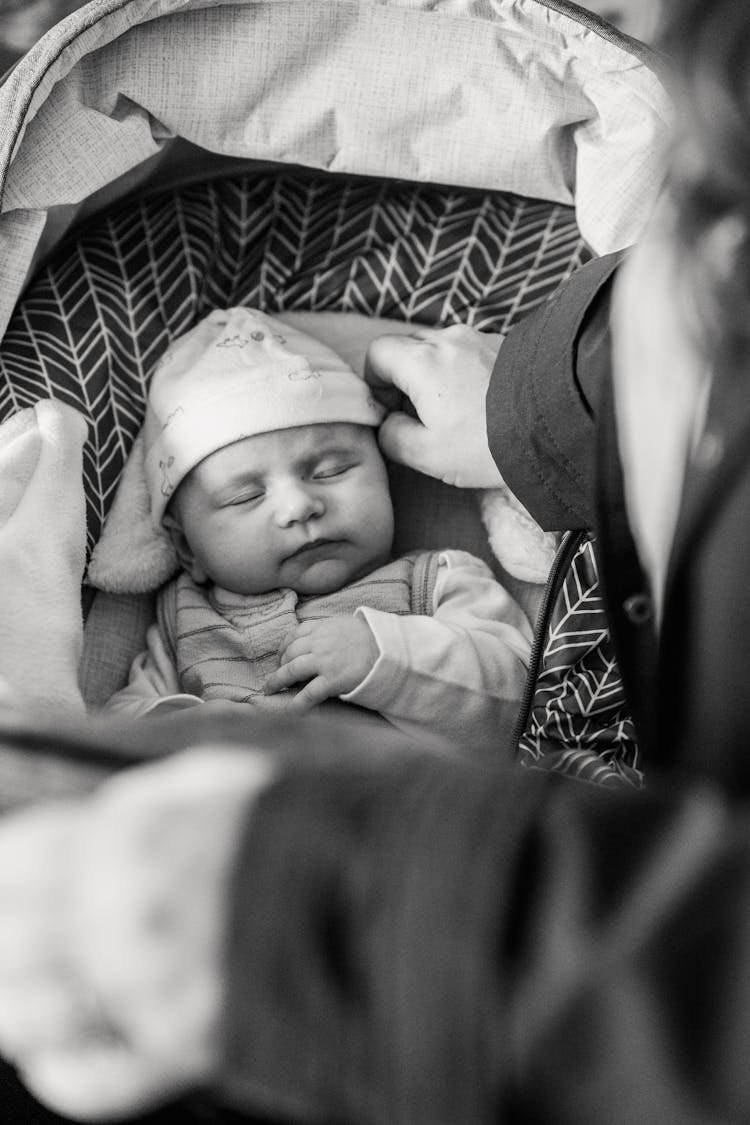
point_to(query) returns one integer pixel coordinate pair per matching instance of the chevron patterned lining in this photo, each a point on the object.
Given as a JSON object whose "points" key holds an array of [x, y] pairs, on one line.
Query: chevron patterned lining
{"points": [[96, 319], [579, 723]]}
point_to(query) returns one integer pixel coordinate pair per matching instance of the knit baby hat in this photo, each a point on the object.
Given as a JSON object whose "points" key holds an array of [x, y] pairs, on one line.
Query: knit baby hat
{"points": [[237, 373]]}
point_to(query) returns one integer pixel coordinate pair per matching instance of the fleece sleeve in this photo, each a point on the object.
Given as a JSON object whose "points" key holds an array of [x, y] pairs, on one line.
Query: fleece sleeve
{"points": [[462, 671], [543, 399]]}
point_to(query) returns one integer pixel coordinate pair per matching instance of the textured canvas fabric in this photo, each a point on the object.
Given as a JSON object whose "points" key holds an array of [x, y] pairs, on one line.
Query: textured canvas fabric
{"points": [[515, 96]]}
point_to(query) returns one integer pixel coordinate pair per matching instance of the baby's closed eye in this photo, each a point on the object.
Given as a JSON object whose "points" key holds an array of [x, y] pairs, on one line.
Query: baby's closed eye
{"points": [[328, 469], [248, 497]]}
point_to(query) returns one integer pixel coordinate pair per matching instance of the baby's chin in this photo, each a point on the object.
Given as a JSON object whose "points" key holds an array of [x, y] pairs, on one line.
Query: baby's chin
{"points": [[327, 575]]}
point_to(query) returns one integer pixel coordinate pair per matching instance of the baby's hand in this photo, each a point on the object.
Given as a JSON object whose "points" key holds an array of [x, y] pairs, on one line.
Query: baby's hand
{"points": [[333, 654]]}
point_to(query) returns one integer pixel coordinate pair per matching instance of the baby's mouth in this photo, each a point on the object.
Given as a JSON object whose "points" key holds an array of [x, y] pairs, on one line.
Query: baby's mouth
{"points": [[313, 545]]}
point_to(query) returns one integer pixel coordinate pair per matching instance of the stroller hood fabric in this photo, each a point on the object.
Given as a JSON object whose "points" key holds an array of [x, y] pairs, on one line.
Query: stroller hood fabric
{"points": [[536, 98]]}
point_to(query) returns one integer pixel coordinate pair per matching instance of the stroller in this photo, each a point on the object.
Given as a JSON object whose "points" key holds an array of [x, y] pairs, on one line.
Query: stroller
{"points": [[381, 163], [392, 163]]}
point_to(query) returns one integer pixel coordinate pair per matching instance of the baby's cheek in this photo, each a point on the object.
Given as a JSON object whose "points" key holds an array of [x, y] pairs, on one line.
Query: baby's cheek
{"points": [[377, 513]]}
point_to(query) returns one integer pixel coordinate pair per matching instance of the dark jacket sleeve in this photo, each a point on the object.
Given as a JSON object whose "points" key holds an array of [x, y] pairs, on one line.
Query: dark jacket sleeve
{"points": [[428, 943], [543, 397], [363, 982]]}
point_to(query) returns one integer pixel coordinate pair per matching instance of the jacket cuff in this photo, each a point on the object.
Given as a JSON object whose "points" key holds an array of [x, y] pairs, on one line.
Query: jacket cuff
{"points": [[542, 399]]}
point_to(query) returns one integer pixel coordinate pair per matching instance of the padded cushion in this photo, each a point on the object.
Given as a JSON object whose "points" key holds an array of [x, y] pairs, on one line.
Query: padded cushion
{"points": [[94, 322], [114, 634]]}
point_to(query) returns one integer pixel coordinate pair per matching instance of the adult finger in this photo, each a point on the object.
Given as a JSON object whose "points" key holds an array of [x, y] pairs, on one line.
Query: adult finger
{"points": [[390, 362], [407, 441], [301, 668]]}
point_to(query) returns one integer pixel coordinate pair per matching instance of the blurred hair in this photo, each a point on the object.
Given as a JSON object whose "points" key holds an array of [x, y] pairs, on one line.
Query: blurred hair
{"points": [[708, 42]]}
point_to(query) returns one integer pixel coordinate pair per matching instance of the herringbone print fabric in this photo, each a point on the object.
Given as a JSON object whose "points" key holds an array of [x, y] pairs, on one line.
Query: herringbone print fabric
{"points": [[95, 321], [579, 722]]}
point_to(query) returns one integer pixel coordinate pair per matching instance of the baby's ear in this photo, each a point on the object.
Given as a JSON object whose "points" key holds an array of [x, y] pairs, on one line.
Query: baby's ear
{"points": [[182, 549]]}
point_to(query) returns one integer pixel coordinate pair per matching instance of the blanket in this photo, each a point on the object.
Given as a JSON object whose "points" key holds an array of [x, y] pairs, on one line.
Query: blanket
{"points": [[42, 558]]}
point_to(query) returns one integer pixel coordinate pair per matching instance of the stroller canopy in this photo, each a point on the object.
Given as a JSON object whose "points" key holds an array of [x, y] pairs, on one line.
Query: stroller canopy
{"points": [[542, 99], [440, 161]]}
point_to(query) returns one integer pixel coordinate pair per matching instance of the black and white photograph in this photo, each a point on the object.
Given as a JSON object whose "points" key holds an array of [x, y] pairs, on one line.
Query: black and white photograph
{"points": [[374, 542]]}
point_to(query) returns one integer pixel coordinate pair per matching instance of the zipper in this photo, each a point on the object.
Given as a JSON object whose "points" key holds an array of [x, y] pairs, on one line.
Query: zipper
{"points": [[569, 544]]}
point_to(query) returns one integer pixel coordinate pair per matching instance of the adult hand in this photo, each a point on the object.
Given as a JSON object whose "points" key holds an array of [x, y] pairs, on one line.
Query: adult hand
{"points": [[445, 373], [334, 654], [114, 912]]}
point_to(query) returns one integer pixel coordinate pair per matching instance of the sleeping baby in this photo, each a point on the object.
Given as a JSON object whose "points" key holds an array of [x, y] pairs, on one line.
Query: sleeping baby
{"points": [[262, 464]]}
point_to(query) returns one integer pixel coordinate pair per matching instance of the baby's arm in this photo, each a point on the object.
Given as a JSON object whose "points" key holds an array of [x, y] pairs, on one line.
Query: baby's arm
{"points": [[152, 687], [460, 673]]}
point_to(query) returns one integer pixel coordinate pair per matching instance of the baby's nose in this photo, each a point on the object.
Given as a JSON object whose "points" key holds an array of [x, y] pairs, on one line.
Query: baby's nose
{"points": [[297, 504]]}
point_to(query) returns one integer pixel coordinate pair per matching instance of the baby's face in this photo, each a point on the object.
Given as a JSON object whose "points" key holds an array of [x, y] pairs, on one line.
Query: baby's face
{"points": [[307, 508]]}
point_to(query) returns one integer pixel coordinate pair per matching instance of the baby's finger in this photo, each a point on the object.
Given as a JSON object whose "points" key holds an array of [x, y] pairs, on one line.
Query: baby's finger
{"points": [[300, 646], [295, 634], [311, 695], [300, 630], [301, 668]]}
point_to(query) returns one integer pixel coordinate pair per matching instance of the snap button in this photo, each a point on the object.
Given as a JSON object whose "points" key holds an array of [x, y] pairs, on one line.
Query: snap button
{"points": [[638, 609], [709, 450]]}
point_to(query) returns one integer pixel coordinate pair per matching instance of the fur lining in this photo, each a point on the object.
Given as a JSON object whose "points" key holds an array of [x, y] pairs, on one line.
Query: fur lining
{"points": [[132, 556], [517, 540]]}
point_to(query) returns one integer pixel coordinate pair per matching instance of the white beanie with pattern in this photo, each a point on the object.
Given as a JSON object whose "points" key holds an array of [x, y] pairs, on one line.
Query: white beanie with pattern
{"points": [[238, 373]]}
